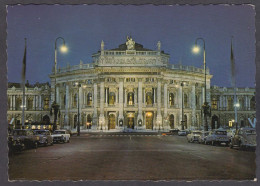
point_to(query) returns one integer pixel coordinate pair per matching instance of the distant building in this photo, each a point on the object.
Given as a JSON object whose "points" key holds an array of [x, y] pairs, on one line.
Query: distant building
{"points": [[132, 88], [37, 102]]}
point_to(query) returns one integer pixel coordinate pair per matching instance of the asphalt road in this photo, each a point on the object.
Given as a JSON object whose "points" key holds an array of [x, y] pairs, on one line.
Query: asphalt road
{"points": [[132, 157]]}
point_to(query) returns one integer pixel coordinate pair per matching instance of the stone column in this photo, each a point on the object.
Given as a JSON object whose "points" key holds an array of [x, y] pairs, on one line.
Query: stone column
{"points": [[144, 99], [248, 101], [180, 104], [121, 102], [14, 101], [66, 120], [135, 96], [80, 104], [193, 105], [220, 102], [245, 103], [11, 103], [33, 102], [125, 98], [40, 102], [140, 105], [106, 95], [102, 123], [159, 115], [154, 99], [165, 112], [95, 106], [36, 102], [226, 102]]}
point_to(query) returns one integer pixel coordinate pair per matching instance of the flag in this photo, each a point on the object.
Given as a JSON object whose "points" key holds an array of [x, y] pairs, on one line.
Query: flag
{"points": [[232, 61], [24, 64], [23, 82]]}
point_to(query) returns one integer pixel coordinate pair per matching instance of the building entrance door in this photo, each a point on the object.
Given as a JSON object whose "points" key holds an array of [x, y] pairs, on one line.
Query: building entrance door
{"points": [[130, 120], [149, 120], [111, 122]]}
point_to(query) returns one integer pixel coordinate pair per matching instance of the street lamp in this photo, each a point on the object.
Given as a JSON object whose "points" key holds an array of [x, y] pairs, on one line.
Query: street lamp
{"points": [[55, 106], [182, 105], [236, 105], [205, 106]]}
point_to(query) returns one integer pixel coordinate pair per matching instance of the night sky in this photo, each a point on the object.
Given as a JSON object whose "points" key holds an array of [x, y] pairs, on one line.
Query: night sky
{"points": [[85, 26]]}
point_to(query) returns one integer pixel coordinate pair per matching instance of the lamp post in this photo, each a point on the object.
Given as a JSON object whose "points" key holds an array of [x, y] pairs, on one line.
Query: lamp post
{"points": [[237, 105], [55, 106], [205, 106], [182, 105]]}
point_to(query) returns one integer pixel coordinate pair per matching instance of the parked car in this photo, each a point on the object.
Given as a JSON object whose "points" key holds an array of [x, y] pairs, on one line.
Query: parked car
{"points": [[203, 136], [45, 137], [27, 137], [61, 136], [231, 133], [193, 136], [174, 131], [217, 137], [182, 133], [244, 137], [15, 145], [72, 132]]}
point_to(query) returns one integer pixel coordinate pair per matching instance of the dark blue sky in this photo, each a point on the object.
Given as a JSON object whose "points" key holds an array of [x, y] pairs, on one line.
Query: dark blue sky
{"points": [[177, 27]]}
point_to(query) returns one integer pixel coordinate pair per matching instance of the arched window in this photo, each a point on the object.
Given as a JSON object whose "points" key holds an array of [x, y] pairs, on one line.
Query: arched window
{"points": [[149, 98], [75, 121], [197, 101], [171, 99], [230, 103], [75, 100], [185, 121], [252, 103], [46, 103], [130, 98], [171, 121], [214, 103], [89, 121], [89, 99], [241, 104], [111, 122], [112, 97], [30, 103], [9, 102], [64, 100], [185, 100], [18, 103]]}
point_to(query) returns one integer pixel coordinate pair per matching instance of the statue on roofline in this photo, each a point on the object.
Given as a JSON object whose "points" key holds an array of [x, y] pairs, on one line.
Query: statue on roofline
{"points": [[130, 43]]}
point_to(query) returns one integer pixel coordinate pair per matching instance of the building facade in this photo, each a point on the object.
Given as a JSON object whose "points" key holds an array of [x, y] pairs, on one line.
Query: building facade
{"points": [[134, 88], [37, 102]]}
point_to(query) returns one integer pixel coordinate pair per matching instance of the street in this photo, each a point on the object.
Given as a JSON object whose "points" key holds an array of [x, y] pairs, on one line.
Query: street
{"points": [[132, 157]]}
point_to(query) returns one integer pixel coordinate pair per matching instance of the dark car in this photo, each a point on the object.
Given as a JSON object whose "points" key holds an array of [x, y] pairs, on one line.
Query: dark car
{"points": [[15, 145], [45, 137], [27, 137], [174, 131]]}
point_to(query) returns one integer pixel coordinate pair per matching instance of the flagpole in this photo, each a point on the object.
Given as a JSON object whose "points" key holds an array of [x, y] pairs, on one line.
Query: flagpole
{"points": [[233, 81], [23, 82]]}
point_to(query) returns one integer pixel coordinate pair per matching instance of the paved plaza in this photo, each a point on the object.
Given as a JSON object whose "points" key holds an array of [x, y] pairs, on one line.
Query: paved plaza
{"points": [[148, 156]]}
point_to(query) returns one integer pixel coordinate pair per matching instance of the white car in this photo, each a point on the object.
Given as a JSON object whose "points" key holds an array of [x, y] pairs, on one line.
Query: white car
{"points": [[61, 136], [193, 136], [203, 136]]}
